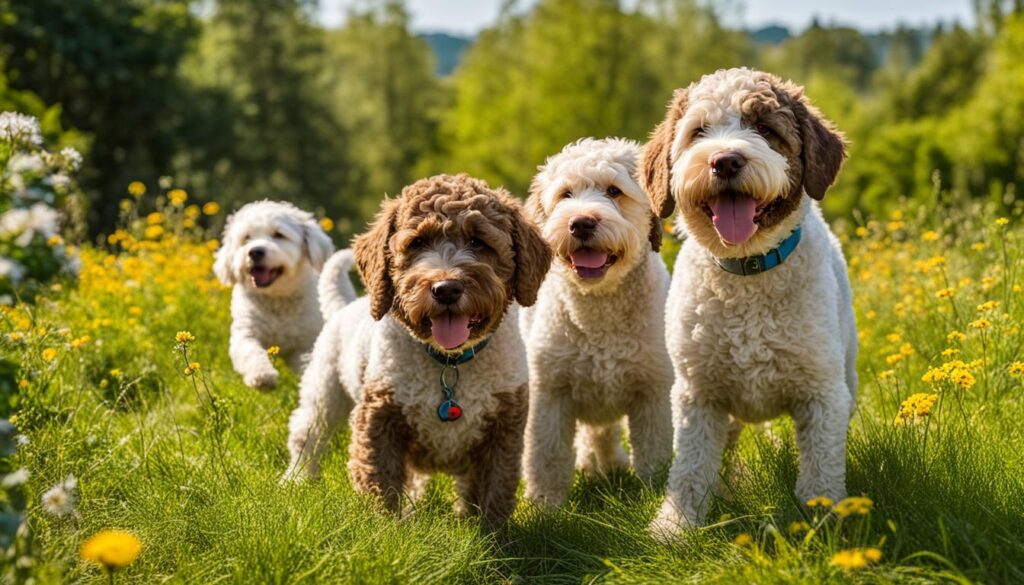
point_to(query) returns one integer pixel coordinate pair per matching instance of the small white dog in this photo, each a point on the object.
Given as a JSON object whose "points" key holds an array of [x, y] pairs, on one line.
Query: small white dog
{"points": [[759, 316], [595, 339], [271, 253]]}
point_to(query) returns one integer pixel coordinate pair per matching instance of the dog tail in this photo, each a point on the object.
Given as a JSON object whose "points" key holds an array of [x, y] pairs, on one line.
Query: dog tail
{"points": [[335, 287]]}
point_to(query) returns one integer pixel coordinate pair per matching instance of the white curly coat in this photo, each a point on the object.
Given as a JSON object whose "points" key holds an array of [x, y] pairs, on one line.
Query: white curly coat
{"points": [[286, 313], [596, 350]]}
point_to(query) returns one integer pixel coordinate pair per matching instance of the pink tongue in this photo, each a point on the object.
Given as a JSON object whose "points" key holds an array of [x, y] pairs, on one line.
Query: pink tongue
{"points": [[450, 330], [262, 276], [589, 258], [734, 217]]}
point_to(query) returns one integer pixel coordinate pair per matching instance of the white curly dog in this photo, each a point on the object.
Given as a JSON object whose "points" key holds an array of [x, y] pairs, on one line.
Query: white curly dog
{"points": [[759, 315], [595, 339], [271, 254]]}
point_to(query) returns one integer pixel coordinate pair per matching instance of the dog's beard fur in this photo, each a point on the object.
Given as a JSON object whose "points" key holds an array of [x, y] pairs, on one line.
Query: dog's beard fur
{"points": [[485, 298], [621, 233]]}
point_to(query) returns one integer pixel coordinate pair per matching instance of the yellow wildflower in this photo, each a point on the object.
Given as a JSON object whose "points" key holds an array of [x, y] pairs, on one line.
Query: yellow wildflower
{"points": [[930, 236], [178, 197], [856, 558], [887, 376], [933, 376], [1016, 369], [870, 315], [798, 527], [895, 226], [192, 211], [136, 189], [980, 324], [273, 350], [894, 359], [743, 539], [1002, 221], [112, 549], [192, 368], [49, 354], [979, 247], [211, 208], [133, 310], [858, 505], [81, 341], [819, 502], [1018, 288], [945, 293], [153, 232], [987, 306], [950, 352], [327, 224], [116, 373], [914, 408], [955, 337], [962, 377], [966, 281], [906, 349], [894, 337], [23, 383], [861, 231], [54, 240], [184, 337]]}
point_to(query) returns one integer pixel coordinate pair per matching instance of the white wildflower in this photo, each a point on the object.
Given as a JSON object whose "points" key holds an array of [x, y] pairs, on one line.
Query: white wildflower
{"points": [[72, 158], [25, 163], [26, 223], [58, 181], [11, 270], [15, 127], [60, 499], [166, 182], [22, 440], [15, 478]]}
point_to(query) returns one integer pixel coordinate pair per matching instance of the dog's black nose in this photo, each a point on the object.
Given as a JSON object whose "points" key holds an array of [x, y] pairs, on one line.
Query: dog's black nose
{"points": [[447, 292], [582, 226], [727, 165], [257, 253]]}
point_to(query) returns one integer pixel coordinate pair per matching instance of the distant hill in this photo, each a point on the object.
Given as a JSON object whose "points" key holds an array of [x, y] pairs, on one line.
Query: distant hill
{"points": [[447, 49], [770, 35]]}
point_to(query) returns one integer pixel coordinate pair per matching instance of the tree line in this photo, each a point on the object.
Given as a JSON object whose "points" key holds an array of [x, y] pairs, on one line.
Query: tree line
{"points": [[237, 100]]}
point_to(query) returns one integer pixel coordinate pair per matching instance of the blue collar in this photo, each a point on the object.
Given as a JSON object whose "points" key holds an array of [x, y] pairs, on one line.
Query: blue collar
{"points": [[455, 360], [763, 262]]}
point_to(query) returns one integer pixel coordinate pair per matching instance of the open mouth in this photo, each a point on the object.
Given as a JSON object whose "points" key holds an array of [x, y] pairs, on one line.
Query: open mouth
{"points": [[262, 277], [450, 330], [735, 215], [591, 264]]}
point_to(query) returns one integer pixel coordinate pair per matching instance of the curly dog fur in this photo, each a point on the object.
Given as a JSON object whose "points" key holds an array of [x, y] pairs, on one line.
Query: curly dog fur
{"points": [[370, 359], [595, 339]]}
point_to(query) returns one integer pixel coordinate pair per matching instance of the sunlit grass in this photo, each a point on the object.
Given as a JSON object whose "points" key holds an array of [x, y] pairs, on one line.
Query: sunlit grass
{"points": [[189, 461]]}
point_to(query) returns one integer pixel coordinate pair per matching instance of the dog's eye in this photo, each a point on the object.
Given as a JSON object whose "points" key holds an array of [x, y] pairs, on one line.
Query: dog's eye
{"points": [[613, 191], [477, 244], [278, 236], [566, 195], [697, 132], [416, 243], [764, 130], [245, 239]]}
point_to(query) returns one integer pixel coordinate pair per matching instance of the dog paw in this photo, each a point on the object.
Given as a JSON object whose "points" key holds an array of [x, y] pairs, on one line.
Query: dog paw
{"points": [[668, 527], [262, 380]]}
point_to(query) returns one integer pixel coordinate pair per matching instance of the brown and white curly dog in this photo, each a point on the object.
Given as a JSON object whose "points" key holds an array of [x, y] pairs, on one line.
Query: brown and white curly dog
{"points": [[431, 360]]}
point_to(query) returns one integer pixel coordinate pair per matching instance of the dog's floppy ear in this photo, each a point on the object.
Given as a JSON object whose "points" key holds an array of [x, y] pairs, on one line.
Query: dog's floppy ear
{"points": [[222, 261], [656, 233], [373, 258], [824, 147], [656, 164], [317, 243], [532, 261]]}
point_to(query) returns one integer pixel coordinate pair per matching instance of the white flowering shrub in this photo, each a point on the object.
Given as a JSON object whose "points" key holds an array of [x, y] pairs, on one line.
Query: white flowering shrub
{"points": [[35, 185]]}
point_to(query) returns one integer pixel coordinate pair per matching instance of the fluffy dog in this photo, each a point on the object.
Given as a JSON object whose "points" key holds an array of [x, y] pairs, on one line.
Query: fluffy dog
{"points": [[442, 264], [595, 339], [759, 316], [271, 253]]}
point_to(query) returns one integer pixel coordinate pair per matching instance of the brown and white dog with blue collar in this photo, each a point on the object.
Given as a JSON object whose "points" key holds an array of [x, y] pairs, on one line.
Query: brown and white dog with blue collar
{"points": [[759, 318], [430, 364]]}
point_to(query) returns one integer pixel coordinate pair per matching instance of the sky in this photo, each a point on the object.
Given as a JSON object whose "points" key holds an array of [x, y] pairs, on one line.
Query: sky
{"points": [[469, 16]]}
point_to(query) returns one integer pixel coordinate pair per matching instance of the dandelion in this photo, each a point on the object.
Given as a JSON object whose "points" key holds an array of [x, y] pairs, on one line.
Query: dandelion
{"points": [[211, 208], [955, 337], [49, 354], [134, 310], [894, 359], [111, 549], [192, 211], [930, 236], [988, 306], [116, 373], [945, 293], [1016, 369], [23, 383], [856, 558], [60, 499], [886, 376], [798, 527], [819, 502], [1002, 221], [80, 342], [980, 324], [950, 352], [914, 409], [155, 218], [327, 224], [191, 368], [862, 232], [273, 351], [178, 197], [184, 337], [153, 232], [136, 189], [933, 376], [858, 505], [54, 240], [894, 337], [979, 247], [962, 378], [743, 539]]}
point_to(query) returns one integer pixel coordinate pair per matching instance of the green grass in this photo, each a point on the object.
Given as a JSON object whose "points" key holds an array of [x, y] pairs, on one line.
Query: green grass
{"points": [[191, 465]]}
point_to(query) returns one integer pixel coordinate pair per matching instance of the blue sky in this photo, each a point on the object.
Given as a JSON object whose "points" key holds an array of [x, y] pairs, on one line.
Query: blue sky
{"points": [[469, 16]]}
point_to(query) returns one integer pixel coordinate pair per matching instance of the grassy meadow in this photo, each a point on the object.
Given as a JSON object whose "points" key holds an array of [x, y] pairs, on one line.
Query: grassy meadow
{"points": [[165, 441]]}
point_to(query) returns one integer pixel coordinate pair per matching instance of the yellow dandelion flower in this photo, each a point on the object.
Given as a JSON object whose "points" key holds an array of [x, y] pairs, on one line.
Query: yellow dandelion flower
{"points": [[212, 245], [945, 293], [81, 341], [906, 349], [192, 211], [192, 368], [112, 549], [862, 232], [116, 373], [887, 376], [966, 281], [188, 223], [1002, 221], [133, 310], [49, 354], [1016, 369], [980, 324], [894, 359], [136, 189], [798, 527], [273, 350], [1017, 288], [955, 337], [155, 218], [184, 337], [54, 240], [153, 232], [988, 306], [856, 558], [930, 236], [894, 337], [853, 505], [950, 352], [933, 376], [178, 197], [979, 247], [819, 502], [211, 208], [962, 378], [327, 224], [743, 539], [23, 383]]}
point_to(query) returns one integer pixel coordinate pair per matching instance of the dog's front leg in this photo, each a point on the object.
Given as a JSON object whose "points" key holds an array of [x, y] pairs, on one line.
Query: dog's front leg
{"points": [[701, 434], [250, 359], [650, 432], [821, 427], [489, 487], [549, 460], [377, 454]]}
